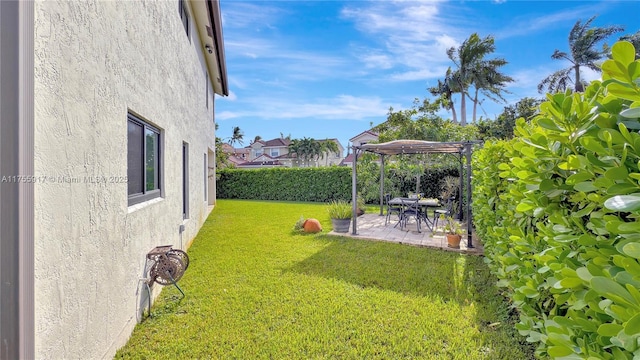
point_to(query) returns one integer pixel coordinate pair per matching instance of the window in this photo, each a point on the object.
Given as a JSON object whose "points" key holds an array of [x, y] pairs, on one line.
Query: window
{"points": [[258, 153], [184, 16], [275, 152], [144, 160], [205, 177], [185, 180]]}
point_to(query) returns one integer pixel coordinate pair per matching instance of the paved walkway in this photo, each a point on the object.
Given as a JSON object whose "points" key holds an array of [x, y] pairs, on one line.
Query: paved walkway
{"points": [[371, 227]]}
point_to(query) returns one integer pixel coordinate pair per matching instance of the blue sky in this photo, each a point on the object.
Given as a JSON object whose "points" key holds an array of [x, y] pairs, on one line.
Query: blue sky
{"points": [[328, 69]]}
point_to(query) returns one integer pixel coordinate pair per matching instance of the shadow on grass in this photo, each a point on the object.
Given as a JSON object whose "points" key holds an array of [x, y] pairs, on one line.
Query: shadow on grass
{"points": [[431, 273], [395, 267]]}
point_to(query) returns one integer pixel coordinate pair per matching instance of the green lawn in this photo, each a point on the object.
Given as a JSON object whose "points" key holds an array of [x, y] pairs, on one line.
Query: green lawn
{"points": [[257, 290]]}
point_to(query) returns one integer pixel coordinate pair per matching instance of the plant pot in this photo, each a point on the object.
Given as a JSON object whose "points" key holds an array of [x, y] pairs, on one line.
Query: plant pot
{"points": [[341, 225], [453, 240], [360, 212]]}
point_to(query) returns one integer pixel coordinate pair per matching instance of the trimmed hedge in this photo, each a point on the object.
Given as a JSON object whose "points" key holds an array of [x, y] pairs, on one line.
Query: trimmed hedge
{"points": [[558, 210], [321, 184]]}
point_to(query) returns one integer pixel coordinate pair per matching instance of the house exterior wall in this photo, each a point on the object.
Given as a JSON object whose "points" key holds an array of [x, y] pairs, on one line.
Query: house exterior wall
{"points": [[364, 138], [94, 62]]}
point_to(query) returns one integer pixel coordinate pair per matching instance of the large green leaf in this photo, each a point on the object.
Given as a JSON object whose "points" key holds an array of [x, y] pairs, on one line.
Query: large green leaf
{"points": [[629, 202], [624, 52], [632, 249], [617, 173], [609, 288], [609, 329], [631, 113], [625, 92], [632, 326]]}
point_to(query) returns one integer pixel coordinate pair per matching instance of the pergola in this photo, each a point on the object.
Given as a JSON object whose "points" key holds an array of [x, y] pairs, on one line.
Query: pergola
{"points": [[409, 147]]}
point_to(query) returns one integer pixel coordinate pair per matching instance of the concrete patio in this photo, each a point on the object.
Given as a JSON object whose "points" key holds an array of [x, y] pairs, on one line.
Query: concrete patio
{"points": [[372, 227]]}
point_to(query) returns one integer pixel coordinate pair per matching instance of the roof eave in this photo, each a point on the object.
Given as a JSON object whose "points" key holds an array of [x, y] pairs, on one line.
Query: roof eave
{"points": [[208, 21]]}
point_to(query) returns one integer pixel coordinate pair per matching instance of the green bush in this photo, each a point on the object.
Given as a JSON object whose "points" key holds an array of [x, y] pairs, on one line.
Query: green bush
{"points": [[560, 226], [321, 184]]}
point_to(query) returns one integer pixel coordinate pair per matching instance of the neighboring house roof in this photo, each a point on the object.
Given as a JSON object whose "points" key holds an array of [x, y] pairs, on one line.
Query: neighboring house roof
{"points": [[228, 148], [208, 22], [277, 142], [366, 132], [348, 160], [266, 163], [236, 160]]}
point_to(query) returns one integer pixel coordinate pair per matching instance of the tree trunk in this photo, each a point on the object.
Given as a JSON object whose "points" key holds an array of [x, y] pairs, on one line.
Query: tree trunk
{"points": [[453, 111], [578, 87], [463, 109], [475, 105]]}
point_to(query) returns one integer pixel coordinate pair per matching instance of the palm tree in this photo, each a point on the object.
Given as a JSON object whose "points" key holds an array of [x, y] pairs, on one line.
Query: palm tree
{"points": [[582, 42], [474, 69], [256, 139], [237, 136], [326, 147], [444, 91], [489, 81]]}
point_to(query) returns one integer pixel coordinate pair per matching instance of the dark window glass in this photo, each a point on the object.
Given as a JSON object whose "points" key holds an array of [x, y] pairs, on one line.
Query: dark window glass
{"points": [[184, 16], [135, 151], [151, 159], [143, 161]]}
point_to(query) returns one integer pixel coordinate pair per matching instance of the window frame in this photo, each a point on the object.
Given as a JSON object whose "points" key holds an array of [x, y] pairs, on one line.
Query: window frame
{"points": [[185, 180], [146, 195], [184, 18]]}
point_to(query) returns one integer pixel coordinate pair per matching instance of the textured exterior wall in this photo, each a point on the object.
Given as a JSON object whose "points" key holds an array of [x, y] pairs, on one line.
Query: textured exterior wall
{"points": [[94, 61]]}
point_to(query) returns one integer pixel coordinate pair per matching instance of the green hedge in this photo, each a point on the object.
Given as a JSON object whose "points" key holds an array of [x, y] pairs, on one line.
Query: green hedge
{"points": [[558, 208], [321, 184]]}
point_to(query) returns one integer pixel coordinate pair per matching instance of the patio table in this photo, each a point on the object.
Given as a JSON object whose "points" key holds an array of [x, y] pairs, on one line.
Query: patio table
{"points": [[425, 204]]}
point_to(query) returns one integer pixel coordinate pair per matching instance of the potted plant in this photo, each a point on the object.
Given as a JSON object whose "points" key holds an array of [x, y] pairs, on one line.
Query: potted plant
{"points": [[453, 231], [340, 213]]}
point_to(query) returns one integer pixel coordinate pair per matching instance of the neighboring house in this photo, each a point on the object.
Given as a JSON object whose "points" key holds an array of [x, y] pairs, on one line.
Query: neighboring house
{"points": [[107, 135], [239, 153], [364, 137], [261, 161], [278, 147], [275, 152], [332, 158], [347, 161]]}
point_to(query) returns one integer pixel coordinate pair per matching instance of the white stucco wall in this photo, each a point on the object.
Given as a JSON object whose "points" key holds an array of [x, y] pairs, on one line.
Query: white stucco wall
{"points": [[94, 61]]}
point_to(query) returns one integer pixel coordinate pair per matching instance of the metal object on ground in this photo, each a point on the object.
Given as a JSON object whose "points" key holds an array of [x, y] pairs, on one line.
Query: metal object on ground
{"points": [[168, 265]]}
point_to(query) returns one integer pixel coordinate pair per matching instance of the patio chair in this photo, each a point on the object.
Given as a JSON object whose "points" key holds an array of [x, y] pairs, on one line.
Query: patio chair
{"points": [[391, 209], [444, 212], [410, 209]]}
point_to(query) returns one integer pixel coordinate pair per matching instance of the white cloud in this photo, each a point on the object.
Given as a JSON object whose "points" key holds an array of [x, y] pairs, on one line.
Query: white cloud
{"points": [[341, 107], [526, 25], [410, 38]]}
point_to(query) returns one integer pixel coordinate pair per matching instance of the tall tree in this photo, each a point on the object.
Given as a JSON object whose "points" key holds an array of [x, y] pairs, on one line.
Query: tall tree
{"points": [[582, 42], [305, 149], [237, 136], [326, 147], [256, 139], [444, 91], [473, 69], [489, 81], [502, 126]]}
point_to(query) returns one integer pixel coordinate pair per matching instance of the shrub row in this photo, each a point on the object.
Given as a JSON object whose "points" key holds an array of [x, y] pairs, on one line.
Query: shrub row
{"points": [[321, 184], [557, 209]]}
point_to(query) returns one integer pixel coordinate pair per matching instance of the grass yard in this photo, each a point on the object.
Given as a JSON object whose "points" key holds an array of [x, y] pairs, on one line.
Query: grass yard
{"points": [[257, 290]]}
